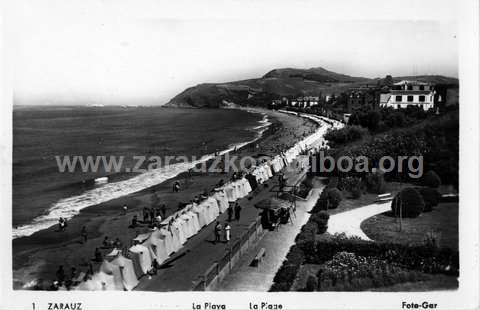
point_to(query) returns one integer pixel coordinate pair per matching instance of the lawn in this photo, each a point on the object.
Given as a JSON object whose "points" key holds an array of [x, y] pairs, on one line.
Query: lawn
{"points": [[442, 222]]}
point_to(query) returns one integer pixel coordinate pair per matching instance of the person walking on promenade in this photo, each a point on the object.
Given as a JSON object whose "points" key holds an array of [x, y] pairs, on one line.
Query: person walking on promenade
{"points": [[230, 212], [227, 232], [83, 234], [237, 210], [163, 209], [218, 230]]}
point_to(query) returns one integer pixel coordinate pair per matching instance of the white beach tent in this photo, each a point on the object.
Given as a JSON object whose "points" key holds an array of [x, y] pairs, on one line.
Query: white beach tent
{"points": [[113, 270], [212, 202], [194, 220], [231, 191], [142, 258], [128, 273], [157, 246], [178, 230], [201, 213], [222, 200], [246, 186]]}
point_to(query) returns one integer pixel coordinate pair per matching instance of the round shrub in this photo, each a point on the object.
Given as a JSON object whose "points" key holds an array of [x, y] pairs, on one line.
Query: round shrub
{"points": [[334, 198], [430, 196], [431, 179], [409, 201]]}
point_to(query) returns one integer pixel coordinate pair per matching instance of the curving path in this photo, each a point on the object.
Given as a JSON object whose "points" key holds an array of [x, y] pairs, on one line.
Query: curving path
{"points": [[349, 222]]}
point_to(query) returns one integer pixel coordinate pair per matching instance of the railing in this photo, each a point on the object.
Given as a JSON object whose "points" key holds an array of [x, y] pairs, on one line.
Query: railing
{"points": [[218, 270]]}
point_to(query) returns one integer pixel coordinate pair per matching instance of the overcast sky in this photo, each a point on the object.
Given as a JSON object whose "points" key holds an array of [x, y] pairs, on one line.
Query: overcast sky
{"points": [[147, 52]]}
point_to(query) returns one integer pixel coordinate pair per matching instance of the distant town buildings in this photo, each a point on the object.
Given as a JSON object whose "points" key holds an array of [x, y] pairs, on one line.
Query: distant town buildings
{"points": [[304, 102], [409, 93]]}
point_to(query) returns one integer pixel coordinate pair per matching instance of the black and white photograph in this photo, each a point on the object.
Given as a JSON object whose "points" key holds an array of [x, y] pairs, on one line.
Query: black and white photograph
{"points": [[240, 155]]}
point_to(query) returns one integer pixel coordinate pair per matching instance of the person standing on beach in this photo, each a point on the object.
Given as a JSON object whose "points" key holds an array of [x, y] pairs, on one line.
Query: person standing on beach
{"points": [[83, 234], [125, 208], [237, 210], [227, 232]]}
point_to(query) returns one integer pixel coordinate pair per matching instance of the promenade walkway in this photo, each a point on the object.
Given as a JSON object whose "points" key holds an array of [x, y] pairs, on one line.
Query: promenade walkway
{"points": [[276, 243]]}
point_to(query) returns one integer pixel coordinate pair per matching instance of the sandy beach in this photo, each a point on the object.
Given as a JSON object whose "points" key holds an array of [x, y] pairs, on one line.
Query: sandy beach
{"points": [[38, 256]]}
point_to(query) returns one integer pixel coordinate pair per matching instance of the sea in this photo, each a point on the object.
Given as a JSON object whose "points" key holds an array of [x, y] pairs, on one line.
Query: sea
{"points": [[42, 135]]}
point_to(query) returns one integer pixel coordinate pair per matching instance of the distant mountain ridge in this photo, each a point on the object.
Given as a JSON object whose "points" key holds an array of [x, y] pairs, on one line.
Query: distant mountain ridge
{"points": [[280, 82]]}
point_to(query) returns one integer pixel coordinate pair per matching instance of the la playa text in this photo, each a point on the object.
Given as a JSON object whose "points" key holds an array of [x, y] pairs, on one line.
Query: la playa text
{"points": [[414, 305]]}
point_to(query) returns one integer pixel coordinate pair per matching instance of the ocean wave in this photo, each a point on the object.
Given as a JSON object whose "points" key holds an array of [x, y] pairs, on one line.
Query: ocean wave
{"points": [[71, 206]]}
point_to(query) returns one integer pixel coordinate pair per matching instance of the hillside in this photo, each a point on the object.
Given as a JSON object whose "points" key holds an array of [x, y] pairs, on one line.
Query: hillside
{"points": [[277, 83]]}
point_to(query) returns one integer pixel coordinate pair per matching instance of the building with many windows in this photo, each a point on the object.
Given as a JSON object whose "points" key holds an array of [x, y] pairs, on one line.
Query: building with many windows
{"points": [[307, 101], [409, 93]]}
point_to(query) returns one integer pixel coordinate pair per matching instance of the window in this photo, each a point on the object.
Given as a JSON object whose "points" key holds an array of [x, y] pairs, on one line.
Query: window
{"points": [[398, 106], [398, 98], [422, 87], [421, 98], [410, 98], [409, 87]]}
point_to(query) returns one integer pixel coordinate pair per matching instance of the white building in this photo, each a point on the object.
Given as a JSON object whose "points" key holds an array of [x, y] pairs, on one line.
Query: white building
{"points": [[409, 93], [307, 101]]}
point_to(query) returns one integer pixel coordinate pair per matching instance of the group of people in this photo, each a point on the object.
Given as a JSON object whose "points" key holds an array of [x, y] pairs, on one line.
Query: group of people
{"points": [[154, 215], [234, 210], [219, 229], [62, 224]]}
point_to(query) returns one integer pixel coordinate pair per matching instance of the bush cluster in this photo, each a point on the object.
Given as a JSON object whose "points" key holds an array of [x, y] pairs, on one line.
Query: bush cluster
{"points": [[349, 272], [408, 203], [431, 179], [424, 258], [330, 198], [352, 184], [345, 135], [430, 196]]}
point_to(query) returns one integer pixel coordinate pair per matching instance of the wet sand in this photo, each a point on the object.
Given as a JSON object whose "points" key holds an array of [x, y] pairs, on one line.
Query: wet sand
{"points": [[39, 255]]}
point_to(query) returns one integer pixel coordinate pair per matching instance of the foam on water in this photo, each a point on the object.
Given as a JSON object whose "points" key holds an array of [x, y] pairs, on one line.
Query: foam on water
{"points": [[71, 206]]}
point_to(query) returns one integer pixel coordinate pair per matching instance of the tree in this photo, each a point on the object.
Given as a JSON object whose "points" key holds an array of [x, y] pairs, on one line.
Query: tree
{"points": [[388, 81]]}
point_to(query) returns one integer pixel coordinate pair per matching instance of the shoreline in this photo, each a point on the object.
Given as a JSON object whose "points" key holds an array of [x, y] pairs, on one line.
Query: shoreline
{"points": [[37, 256]]}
